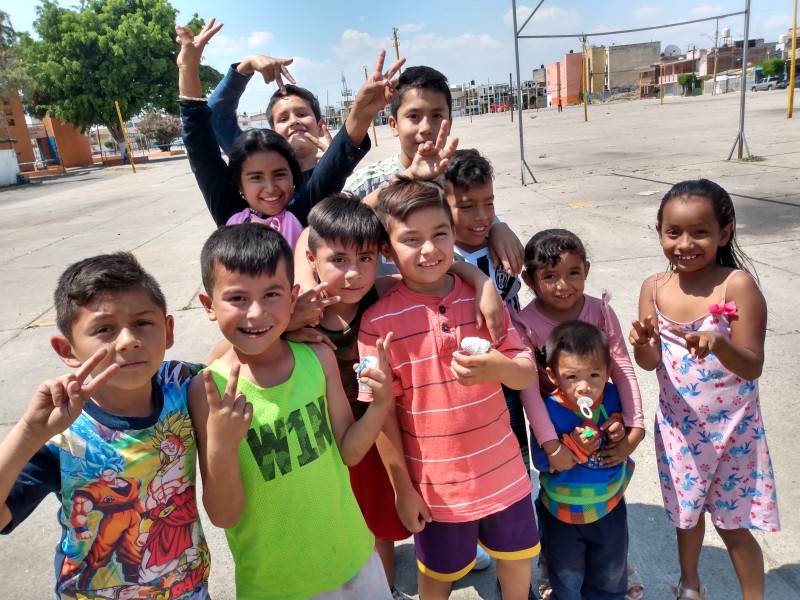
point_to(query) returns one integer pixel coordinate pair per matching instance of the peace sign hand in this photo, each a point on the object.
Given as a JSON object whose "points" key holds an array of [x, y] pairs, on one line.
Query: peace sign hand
{"points": [[644, 332], [379, 89], [229, 415], [56, 403], [698, 343]]}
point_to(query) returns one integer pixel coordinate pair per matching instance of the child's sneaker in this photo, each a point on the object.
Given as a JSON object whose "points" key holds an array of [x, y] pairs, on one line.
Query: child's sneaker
{"points": [[482, 560], [398, 595]]}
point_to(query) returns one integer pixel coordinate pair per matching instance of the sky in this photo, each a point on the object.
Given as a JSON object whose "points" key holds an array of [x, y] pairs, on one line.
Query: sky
{"points": [[464, 39]]}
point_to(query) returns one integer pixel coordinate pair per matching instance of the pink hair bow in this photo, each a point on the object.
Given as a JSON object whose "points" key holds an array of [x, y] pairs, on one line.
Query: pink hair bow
{"points": [[728, 309]]}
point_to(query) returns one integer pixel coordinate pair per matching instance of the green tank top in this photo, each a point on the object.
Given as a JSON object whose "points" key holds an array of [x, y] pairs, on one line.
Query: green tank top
{"points": [[301, 532]]}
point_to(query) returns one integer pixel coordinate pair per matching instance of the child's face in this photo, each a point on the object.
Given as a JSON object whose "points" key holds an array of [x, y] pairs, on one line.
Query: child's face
{"points": [[473, 214], [559, 287], [252, 310], [266, 182], [136, 333], [690, 234], [422, 248], [419, 119], [349, 271], [292, 116], [581, 375]]}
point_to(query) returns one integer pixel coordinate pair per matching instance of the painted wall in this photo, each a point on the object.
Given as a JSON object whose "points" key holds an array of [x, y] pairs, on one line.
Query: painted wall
{"points": [[12, 120], [626, 61]]}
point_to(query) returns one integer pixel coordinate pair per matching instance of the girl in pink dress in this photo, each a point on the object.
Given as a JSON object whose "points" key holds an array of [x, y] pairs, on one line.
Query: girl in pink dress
{"points": [[701, 327]]}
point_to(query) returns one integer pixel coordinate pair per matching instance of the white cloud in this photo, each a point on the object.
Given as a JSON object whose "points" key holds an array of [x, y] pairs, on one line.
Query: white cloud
{"points": [[552, 18], [259, 39], [354, 43], [645, 12], [781, 23], [223, 45], [411, 27], [707, 10]]}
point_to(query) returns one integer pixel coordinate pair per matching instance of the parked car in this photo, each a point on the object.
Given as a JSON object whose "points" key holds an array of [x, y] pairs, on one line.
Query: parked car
{"points": [[176, 144], [782, 85], [766, 84]]}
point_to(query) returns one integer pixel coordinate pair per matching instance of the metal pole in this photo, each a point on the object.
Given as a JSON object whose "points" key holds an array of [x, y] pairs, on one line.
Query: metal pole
{"points": [[792, 64], [740, 141], [584, 79], [716, 56], [522, 163], [511, 95], [125, 136], [396, 47], [661, 81]]}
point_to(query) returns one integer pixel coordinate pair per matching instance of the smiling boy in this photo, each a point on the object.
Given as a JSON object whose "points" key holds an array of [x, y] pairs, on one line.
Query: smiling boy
{"points": [[275, 432], [103, 447], [452, 458]]}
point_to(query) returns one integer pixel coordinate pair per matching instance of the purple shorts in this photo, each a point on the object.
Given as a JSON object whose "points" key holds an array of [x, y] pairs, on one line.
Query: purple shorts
{"points": [[446, 551]]}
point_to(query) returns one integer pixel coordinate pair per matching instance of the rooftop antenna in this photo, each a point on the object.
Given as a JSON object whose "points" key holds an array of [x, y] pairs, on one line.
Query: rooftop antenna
{"points": [[346, 92]]}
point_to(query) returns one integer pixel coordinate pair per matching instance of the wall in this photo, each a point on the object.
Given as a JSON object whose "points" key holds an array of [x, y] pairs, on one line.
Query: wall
{"points": [[13, 117], [625, 62], [73, 147]]}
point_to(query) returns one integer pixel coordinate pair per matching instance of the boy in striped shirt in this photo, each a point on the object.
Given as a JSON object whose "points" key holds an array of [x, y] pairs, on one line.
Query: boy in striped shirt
{"points": [[449, 449]]}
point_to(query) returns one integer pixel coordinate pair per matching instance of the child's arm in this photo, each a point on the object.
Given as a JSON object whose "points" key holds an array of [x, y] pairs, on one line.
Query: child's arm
{"points": [[644, 336], [224, 101], [210, 170], [616, 452], [411, 508], [220, 424], [488, 302], [55, 405], [505, 247], [743, 353], [355, 438]]}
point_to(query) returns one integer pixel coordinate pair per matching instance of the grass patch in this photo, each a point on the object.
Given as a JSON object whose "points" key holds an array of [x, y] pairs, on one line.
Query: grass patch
{"points": [[754, 158]]}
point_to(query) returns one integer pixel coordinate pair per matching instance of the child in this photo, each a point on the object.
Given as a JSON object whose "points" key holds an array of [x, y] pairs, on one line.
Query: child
{"points": [[279, 486], [582, 511], [420, 120], [470, 195], [701, 326], [118, 451], [293, 111], [556, 269], [212, 173], [461, 480]]}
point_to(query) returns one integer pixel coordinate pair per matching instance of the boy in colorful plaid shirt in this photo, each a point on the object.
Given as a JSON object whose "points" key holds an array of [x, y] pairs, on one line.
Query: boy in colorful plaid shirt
{"points": [[582, 514]]}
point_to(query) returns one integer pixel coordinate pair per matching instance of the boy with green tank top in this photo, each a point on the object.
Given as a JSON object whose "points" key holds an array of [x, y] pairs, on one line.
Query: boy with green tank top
{"points": [[275, 431]]}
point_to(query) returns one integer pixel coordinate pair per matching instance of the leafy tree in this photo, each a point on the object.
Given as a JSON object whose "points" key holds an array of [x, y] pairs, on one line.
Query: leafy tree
{"points": [[159, 127], [773, 66], [13, 75], [104, 50], [688, 81]]}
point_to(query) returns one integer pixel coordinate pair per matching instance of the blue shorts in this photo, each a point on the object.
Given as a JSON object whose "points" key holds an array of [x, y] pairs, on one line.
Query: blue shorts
{"points": [[446, 551]]}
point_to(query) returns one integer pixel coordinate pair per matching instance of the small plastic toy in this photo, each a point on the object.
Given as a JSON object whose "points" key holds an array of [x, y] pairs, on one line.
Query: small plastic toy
{"points": [[367, 361], [475, 346]]}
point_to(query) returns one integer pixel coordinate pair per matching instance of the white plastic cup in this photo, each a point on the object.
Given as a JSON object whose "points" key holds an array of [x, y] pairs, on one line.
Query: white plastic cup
{"points": [[367, 361]]}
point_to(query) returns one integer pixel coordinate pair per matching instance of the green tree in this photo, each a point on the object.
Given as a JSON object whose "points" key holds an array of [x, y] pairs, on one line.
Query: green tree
{"points": [[773, 66], [102, 51], [13, 75]]}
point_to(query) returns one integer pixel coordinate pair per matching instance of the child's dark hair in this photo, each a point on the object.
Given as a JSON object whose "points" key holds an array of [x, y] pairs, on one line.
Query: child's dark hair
{"points": [[577, 338], [467, 168], [249, 248], [344, 219], [405, 196], [729, 255], [421, 78], [545, 248], [261, 140], [300, 92], [84, 280]]}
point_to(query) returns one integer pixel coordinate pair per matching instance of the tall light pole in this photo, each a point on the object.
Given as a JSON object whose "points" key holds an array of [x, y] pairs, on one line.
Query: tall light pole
{"points": [[793, 59]]}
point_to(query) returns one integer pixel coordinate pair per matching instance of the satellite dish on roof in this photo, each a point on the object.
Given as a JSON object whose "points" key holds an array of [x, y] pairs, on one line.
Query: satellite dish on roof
{"points": [[672, 51]]}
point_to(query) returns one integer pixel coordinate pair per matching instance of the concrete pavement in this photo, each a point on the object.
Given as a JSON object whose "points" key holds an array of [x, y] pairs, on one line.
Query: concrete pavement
{"points": [[602, 179]]}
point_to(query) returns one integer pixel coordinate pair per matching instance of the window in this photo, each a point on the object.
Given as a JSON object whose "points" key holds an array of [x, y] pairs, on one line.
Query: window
{"points": [[11, 123]]}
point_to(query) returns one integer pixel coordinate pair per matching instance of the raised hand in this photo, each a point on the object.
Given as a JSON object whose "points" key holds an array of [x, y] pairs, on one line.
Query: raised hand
{"points": [[229, 415], [644, 332], [379, 89], [56, 403], [310, 306], [192, 46], [698, 343], [271, 69], [379, 378], [431, 158], [506, 249]]}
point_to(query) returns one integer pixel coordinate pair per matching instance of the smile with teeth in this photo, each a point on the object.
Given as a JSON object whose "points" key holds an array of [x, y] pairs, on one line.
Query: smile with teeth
{"points": [[429, 264], [687, 256], [254, 332], [478, 229]]}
